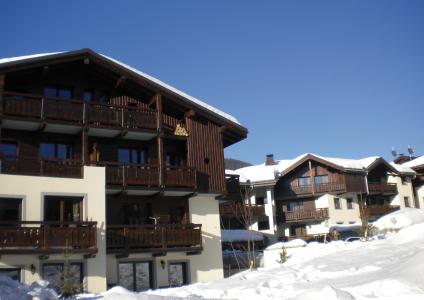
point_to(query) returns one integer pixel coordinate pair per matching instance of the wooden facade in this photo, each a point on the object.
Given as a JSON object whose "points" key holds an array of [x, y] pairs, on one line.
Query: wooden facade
{"points": [[62, 112]]}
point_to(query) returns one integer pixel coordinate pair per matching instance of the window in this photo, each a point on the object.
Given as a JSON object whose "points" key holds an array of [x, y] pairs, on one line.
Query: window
{"points": [[298, 230], [261, 200], [10, 209], [177, 273], [53, 150], [52, 271], [58, 92], [176, 215], [8, 149], [405, 180], [295, 205], [133, 156], [263, 224], [102, 98], [12, 273], [349, 202], [63, 209], [337, 204], [304, 181], [406, 201], [87, 96], [135, 276], [321, 179], [172, 159]]}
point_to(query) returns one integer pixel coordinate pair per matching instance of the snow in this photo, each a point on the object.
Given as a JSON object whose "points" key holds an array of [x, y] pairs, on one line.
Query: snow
{"points": [[13, 290], [238, 235], [139, 73], [400, 219], [391, 268], [291, 244], [261, 172], [419, 161]]}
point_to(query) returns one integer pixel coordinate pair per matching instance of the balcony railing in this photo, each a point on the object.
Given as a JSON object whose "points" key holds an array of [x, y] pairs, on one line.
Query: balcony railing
{"points": [[237, 208], [379, 210], [146, 238], [382, 188], [184, 177], [131, 174], [48, 237], [39, 108], [306, 215], [318, 188], [51, 167]]}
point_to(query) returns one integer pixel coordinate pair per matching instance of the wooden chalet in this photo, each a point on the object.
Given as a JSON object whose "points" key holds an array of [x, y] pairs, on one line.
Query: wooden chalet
{"points": [[62, 112]]}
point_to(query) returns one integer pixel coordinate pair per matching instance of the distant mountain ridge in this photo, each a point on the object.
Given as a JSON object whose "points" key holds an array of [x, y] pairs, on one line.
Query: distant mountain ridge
{"points": [[234, 164]]}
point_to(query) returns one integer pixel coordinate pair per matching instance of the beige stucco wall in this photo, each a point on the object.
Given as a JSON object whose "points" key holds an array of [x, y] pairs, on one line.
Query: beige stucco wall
{"points": [[32, 189], [343, 215], [404, 190], [204, 209], [202, 267]]}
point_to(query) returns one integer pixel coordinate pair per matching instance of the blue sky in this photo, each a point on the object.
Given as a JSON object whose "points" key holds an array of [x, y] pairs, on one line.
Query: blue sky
{"points": [[336, 78]]}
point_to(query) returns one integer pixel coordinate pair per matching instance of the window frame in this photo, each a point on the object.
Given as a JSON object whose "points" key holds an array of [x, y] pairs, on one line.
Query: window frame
{"points": [[349, 203], [186, 271], [337, 200], [152, 273]]}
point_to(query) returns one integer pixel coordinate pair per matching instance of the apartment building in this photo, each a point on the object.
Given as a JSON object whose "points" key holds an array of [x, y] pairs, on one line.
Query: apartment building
{"points": [[111, 166], [417, 165], [305, 196]]}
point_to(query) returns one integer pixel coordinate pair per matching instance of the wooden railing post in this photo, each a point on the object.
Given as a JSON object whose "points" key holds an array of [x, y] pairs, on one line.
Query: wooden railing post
{"points": [[42, 110], [46, 236]]}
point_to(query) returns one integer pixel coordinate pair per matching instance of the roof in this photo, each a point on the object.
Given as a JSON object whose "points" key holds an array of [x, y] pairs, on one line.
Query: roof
{"points": [[415, 163], [260, 173], [188, 98]]}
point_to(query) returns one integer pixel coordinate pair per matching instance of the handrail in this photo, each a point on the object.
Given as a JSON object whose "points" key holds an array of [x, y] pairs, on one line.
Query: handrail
{"points": [[78, 101]]}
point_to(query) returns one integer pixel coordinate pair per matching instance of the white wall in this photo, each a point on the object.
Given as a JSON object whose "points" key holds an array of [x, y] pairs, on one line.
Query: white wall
{"points": [[405, 189], [32, 189]]}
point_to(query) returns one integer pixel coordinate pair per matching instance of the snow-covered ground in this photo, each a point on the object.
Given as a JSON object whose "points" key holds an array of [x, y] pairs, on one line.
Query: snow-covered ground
{"points": [[391, 267]]}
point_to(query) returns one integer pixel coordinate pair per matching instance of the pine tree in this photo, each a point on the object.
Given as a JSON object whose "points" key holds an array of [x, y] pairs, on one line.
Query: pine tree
{"points": [[67, 286]]}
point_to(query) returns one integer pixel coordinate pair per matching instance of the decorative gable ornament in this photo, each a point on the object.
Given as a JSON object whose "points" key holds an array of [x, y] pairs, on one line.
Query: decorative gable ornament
{"points": [[180, 130]]}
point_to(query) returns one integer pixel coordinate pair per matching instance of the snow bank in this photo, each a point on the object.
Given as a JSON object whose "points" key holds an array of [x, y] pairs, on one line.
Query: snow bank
{"points": [[240, 235], [13, 290], [272, 254], [400, 219]]}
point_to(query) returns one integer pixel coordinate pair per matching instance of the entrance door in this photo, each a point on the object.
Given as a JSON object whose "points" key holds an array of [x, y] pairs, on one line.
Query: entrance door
{"points": [[177, 273], [136, 276], [62, 209]]}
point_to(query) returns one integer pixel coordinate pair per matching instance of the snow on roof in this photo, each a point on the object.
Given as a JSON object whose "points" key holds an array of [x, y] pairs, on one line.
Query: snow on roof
{"points": [[240, 235], [419, 161], [142, 74], [262, 172], [402, 168]]}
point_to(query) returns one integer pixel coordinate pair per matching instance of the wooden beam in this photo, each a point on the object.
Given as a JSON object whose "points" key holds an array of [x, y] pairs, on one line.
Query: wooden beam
{"points": [[120, 81], [189, 114], [159, 139], [84, 145], [311, 177]]}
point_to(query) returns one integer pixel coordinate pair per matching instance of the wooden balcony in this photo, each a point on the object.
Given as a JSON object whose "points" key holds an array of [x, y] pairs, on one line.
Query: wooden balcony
{"points": [[51, 167], [131, 174], [48, 237], [77, 112], [380, 210], [311, 215], [181, 177], [153, 238], [237, 208], [382, 188], [330, 187]]}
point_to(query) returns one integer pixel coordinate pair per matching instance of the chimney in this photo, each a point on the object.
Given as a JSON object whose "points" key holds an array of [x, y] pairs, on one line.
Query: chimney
{"points": [[269, 160]]}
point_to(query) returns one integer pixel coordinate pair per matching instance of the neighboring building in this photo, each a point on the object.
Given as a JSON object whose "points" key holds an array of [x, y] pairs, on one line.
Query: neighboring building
{"points": [[305, 196], [117, 167], [417, 165]]}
